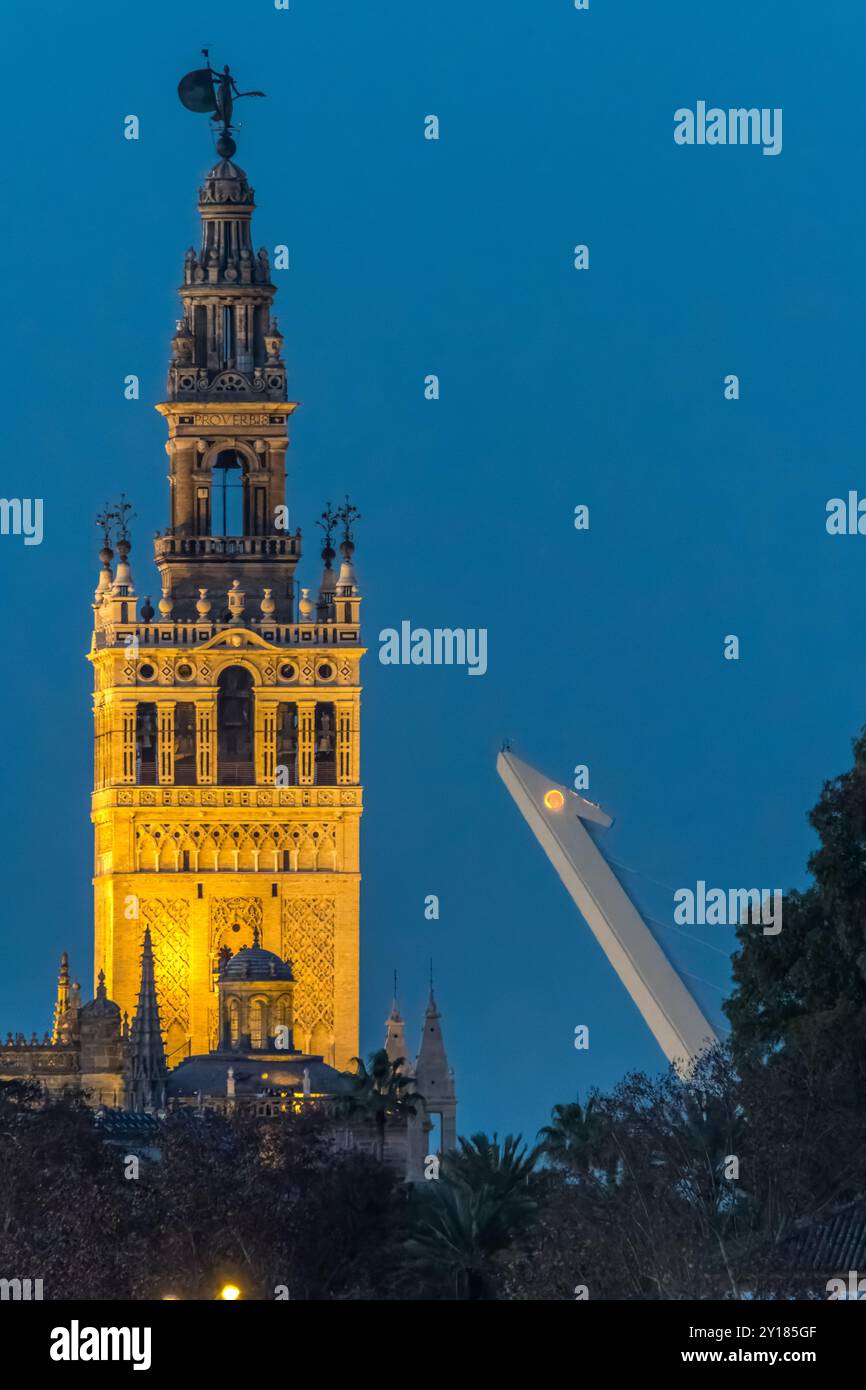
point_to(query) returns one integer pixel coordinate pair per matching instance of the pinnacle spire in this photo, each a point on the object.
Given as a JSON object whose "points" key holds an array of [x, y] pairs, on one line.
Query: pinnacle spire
{"points": [[433, 1076], [431, 1066], [62, 1003], [395, 1033], [146, 1069]]}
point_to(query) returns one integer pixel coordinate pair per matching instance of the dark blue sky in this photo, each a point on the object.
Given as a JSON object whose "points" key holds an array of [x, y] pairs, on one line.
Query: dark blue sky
{"points": [[557, 387]]}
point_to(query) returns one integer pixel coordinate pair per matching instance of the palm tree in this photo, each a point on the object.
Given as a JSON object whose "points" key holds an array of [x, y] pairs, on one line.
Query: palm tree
{"points": [[457, 1235], [479, 1207], [378, 1093], [482, 1162], [578, 1138]]}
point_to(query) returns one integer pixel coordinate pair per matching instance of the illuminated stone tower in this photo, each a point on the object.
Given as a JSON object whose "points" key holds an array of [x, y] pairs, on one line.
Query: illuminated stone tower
{"points": [[226, 794]]}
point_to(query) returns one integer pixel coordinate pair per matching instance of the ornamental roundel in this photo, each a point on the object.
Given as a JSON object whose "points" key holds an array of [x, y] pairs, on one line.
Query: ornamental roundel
{"points": [[232, 921]]}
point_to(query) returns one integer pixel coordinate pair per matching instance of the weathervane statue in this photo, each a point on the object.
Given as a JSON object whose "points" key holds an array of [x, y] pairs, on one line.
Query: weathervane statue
{"points": [[205, 89]]}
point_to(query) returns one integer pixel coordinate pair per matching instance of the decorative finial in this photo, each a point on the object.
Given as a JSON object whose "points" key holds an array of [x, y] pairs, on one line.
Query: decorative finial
{"points": [[205, 89], [123, 514], [268, 605], [326, 523], [255, 936], [105, 521], [305, 607], [348, 514]]}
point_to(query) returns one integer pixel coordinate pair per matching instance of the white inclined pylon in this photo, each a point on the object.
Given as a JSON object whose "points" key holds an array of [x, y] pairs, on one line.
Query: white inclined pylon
{"points": [[555, 816]]}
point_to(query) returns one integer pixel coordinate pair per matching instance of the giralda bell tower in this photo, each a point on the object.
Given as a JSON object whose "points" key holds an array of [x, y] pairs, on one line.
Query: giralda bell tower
{"points": [[227, 798]]}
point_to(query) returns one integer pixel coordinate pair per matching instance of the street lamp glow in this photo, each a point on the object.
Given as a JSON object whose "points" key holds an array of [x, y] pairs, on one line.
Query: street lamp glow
{"points": [[230, 1292]]}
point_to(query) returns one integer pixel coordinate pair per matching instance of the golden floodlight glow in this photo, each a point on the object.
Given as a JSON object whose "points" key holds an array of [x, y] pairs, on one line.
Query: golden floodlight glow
{"points": [[554, 800], [230, 1292]]}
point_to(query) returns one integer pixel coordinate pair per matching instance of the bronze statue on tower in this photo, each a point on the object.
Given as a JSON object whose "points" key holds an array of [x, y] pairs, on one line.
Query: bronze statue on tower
{"points": [[206, 89]]}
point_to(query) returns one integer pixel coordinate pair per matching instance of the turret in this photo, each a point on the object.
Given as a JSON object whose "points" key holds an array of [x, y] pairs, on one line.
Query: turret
{"points": [[433, 1076], [62, 1004], [395, 1034], [226, 342]]}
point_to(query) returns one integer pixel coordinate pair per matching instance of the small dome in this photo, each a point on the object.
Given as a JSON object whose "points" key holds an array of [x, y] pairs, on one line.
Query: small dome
{"points": [[226, 183], [101, 1006], [225, 169], [255, 963]]}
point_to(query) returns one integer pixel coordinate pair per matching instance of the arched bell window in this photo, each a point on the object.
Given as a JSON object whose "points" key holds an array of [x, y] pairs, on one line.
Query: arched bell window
{"points": [[145, 745], [184, 744], [235, 738], [287, 743], [227, 494], [326, 745]]}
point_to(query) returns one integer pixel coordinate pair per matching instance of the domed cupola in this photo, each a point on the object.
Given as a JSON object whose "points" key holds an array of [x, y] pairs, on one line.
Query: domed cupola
{"points": [[256, 1001], [255, 963]]}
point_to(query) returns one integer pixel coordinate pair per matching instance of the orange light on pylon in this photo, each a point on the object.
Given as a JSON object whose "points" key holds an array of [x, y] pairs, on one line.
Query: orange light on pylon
{"points": [[554, 800]]}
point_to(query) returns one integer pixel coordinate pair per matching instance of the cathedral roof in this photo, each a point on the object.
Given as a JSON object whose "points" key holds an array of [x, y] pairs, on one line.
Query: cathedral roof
{"points": [[259, 1075]]}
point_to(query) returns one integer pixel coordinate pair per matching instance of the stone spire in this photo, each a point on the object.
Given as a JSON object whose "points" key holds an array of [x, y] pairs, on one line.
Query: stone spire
{"points": [[433, 1076], [395, 1034], [62, 1003], [146, 1072]]}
